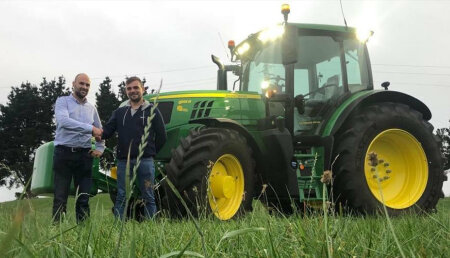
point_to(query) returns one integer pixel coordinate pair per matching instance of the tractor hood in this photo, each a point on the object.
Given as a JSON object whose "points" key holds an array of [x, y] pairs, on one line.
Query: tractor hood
{"points": [[179, 107]]}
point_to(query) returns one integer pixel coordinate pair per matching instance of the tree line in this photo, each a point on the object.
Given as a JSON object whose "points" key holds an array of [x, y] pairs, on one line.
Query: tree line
{"points": [[27, 121], [444, 134]]}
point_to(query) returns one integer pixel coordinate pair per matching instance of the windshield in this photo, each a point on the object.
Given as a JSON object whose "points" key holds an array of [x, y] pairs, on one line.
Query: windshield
{"points": [[265, 70], [318, 72]]}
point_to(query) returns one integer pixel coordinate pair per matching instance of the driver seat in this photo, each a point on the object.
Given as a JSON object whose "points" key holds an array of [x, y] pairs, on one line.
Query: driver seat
{"points": [[314, 105], [331, 91]]}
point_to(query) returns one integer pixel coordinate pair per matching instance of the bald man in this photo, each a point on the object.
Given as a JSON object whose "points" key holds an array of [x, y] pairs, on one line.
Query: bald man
{"points": [[76, 122]]}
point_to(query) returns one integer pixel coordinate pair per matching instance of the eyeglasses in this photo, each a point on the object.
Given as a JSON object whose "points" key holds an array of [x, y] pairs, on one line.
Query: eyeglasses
{"points": [[84, 83], [133, 88]]}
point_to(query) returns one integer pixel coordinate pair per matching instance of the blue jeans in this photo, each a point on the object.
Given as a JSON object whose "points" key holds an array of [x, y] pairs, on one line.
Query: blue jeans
{"points": [[145, 180]]}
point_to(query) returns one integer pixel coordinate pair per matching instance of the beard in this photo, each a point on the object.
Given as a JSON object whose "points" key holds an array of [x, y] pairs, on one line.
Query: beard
{"points": [[80, 94], [135, 98]]}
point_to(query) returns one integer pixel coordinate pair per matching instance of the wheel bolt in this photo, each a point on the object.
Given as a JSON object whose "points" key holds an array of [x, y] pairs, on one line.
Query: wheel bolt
{"points": [[386, 164], [388, 171]]}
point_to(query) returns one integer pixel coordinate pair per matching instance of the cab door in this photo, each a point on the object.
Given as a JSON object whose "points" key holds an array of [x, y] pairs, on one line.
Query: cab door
{"points": [[319, 78]]}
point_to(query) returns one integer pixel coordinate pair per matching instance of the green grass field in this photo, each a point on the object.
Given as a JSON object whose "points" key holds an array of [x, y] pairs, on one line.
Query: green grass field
{"points": [[26, 231]]}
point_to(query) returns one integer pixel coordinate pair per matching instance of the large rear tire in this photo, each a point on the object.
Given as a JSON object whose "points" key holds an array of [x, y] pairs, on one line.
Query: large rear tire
{"points": [[213, 171], [409, 174]]}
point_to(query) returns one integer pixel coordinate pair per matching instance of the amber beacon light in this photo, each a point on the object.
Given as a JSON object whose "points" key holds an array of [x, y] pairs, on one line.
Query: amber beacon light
{"points": [[285, 10]]}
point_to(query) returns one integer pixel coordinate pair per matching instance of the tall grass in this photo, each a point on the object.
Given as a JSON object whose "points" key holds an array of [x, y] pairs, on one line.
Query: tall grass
{"points": [[258, 234]]}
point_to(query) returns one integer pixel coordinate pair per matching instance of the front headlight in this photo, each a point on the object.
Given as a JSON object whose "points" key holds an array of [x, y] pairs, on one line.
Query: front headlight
{"points": [[244, 48]]}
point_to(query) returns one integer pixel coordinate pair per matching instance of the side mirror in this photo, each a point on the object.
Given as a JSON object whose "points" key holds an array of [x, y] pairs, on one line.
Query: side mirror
{"points": [[299, 102], [236, 69], [289, 45]]}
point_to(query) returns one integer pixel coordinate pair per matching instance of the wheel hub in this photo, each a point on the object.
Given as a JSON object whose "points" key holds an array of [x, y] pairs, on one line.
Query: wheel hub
{"points": [[222, 186], [401, 174], [382, 172], [226, 186]]}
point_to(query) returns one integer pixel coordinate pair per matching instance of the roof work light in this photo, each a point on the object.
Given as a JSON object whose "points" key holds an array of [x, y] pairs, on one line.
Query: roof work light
{"points": [[363, 34]]}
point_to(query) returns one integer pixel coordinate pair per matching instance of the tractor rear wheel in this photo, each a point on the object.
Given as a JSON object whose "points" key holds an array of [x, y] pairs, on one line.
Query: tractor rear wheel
{"points": [[408, 175], [213, 170]]}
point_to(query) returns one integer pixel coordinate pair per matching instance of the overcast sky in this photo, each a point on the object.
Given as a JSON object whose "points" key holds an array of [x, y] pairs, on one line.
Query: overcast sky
{"points": [[174, 40]]}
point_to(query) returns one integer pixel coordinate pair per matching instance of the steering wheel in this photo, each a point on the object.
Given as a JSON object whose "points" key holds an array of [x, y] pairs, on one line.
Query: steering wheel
{"points": [[275, 86], [320, 89], [276, 78]]}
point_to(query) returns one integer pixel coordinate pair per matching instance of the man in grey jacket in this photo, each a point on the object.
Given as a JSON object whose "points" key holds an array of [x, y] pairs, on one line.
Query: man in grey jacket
{"points": [[129, 122]]}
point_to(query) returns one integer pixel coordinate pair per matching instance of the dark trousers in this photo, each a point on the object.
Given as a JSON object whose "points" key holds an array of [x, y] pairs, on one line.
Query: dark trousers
{"points": [[71, 163]]}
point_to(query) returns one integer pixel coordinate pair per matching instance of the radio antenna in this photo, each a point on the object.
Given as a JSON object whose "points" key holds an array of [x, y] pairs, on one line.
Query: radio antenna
{"points": [[343, 15], [223, 45]]}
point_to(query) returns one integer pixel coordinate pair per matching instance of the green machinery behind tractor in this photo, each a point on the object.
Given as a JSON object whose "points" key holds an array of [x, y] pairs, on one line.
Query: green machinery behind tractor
{"points": [[304, 103]]}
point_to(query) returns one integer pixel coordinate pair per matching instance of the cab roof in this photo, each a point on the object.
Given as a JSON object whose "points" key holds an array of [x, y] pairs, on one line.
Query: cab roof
{"points": [[327, 27]]}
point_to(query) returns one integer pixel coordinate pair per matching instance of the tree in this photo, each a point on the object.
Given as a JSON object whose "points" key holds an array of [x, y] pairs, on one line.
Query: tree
{"points": [[122, 93], [444, 134], [25, 123], [107, 102], [49, 92], [19, 138]]}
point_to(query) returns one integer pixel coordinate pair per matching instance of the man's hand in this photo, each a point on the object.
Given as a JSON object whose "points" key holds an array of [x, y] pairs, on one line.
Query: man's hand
{"points": [[97, 132], [95, 153]]}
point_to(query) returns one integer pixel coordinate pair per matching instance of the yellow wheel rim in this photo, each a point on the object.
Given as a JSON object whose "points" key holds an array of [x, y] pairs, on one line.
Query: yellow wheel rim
{"points": [[226, 187], [402, 170]]}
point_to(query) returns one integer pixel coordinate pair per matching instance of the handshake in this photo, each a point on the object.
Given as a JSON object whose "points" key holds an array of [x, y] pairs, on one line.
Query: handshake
{"points": [[97, 133]]}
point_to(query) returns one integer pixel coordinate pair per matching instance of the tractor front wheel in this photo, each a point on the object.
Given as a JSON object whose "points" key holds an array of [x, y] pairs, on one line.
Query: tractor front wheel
{"points": [[213, 171], [407, 174]]}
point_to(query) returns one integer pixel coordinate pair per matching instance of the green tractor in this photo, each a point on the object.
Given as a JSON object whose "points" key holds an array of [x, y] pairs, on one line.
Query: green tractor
{"points": [[303, 105]]}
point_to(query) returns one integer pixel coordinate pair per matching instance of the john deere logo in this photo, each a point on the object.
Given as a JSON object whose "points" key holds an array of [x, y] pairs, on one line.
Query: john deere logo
{"points": [[180, 108]]}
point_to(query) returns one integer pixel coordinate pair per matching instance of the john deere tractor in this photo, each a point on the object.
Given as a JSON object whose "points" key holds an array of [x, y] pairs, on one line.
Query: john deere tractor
{"points": [[301, 124]]}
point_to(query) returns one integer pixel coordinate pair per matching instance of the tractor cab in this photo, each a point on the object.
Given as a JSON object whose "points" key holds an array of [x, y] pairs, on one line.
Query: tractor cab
{"points": [[330, 64], [302, 71]]}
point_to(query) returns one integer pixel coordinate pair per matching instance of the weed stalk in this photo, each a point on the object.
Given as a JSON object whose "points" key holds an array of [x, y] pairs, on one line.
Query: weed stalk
{"points": [[373, 158]]}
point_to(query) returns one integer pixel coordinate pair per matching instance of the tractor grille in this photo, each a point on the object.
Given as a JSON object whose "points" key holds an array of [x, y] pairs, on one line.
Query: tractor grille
{"points": [[201, 109], [166, 110]]}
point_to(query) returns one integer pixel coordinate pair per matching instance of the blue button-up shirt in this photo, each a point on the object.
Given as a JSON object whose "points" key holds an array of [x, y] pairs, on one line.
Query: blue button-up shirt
{"points": [[74, 122]]}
